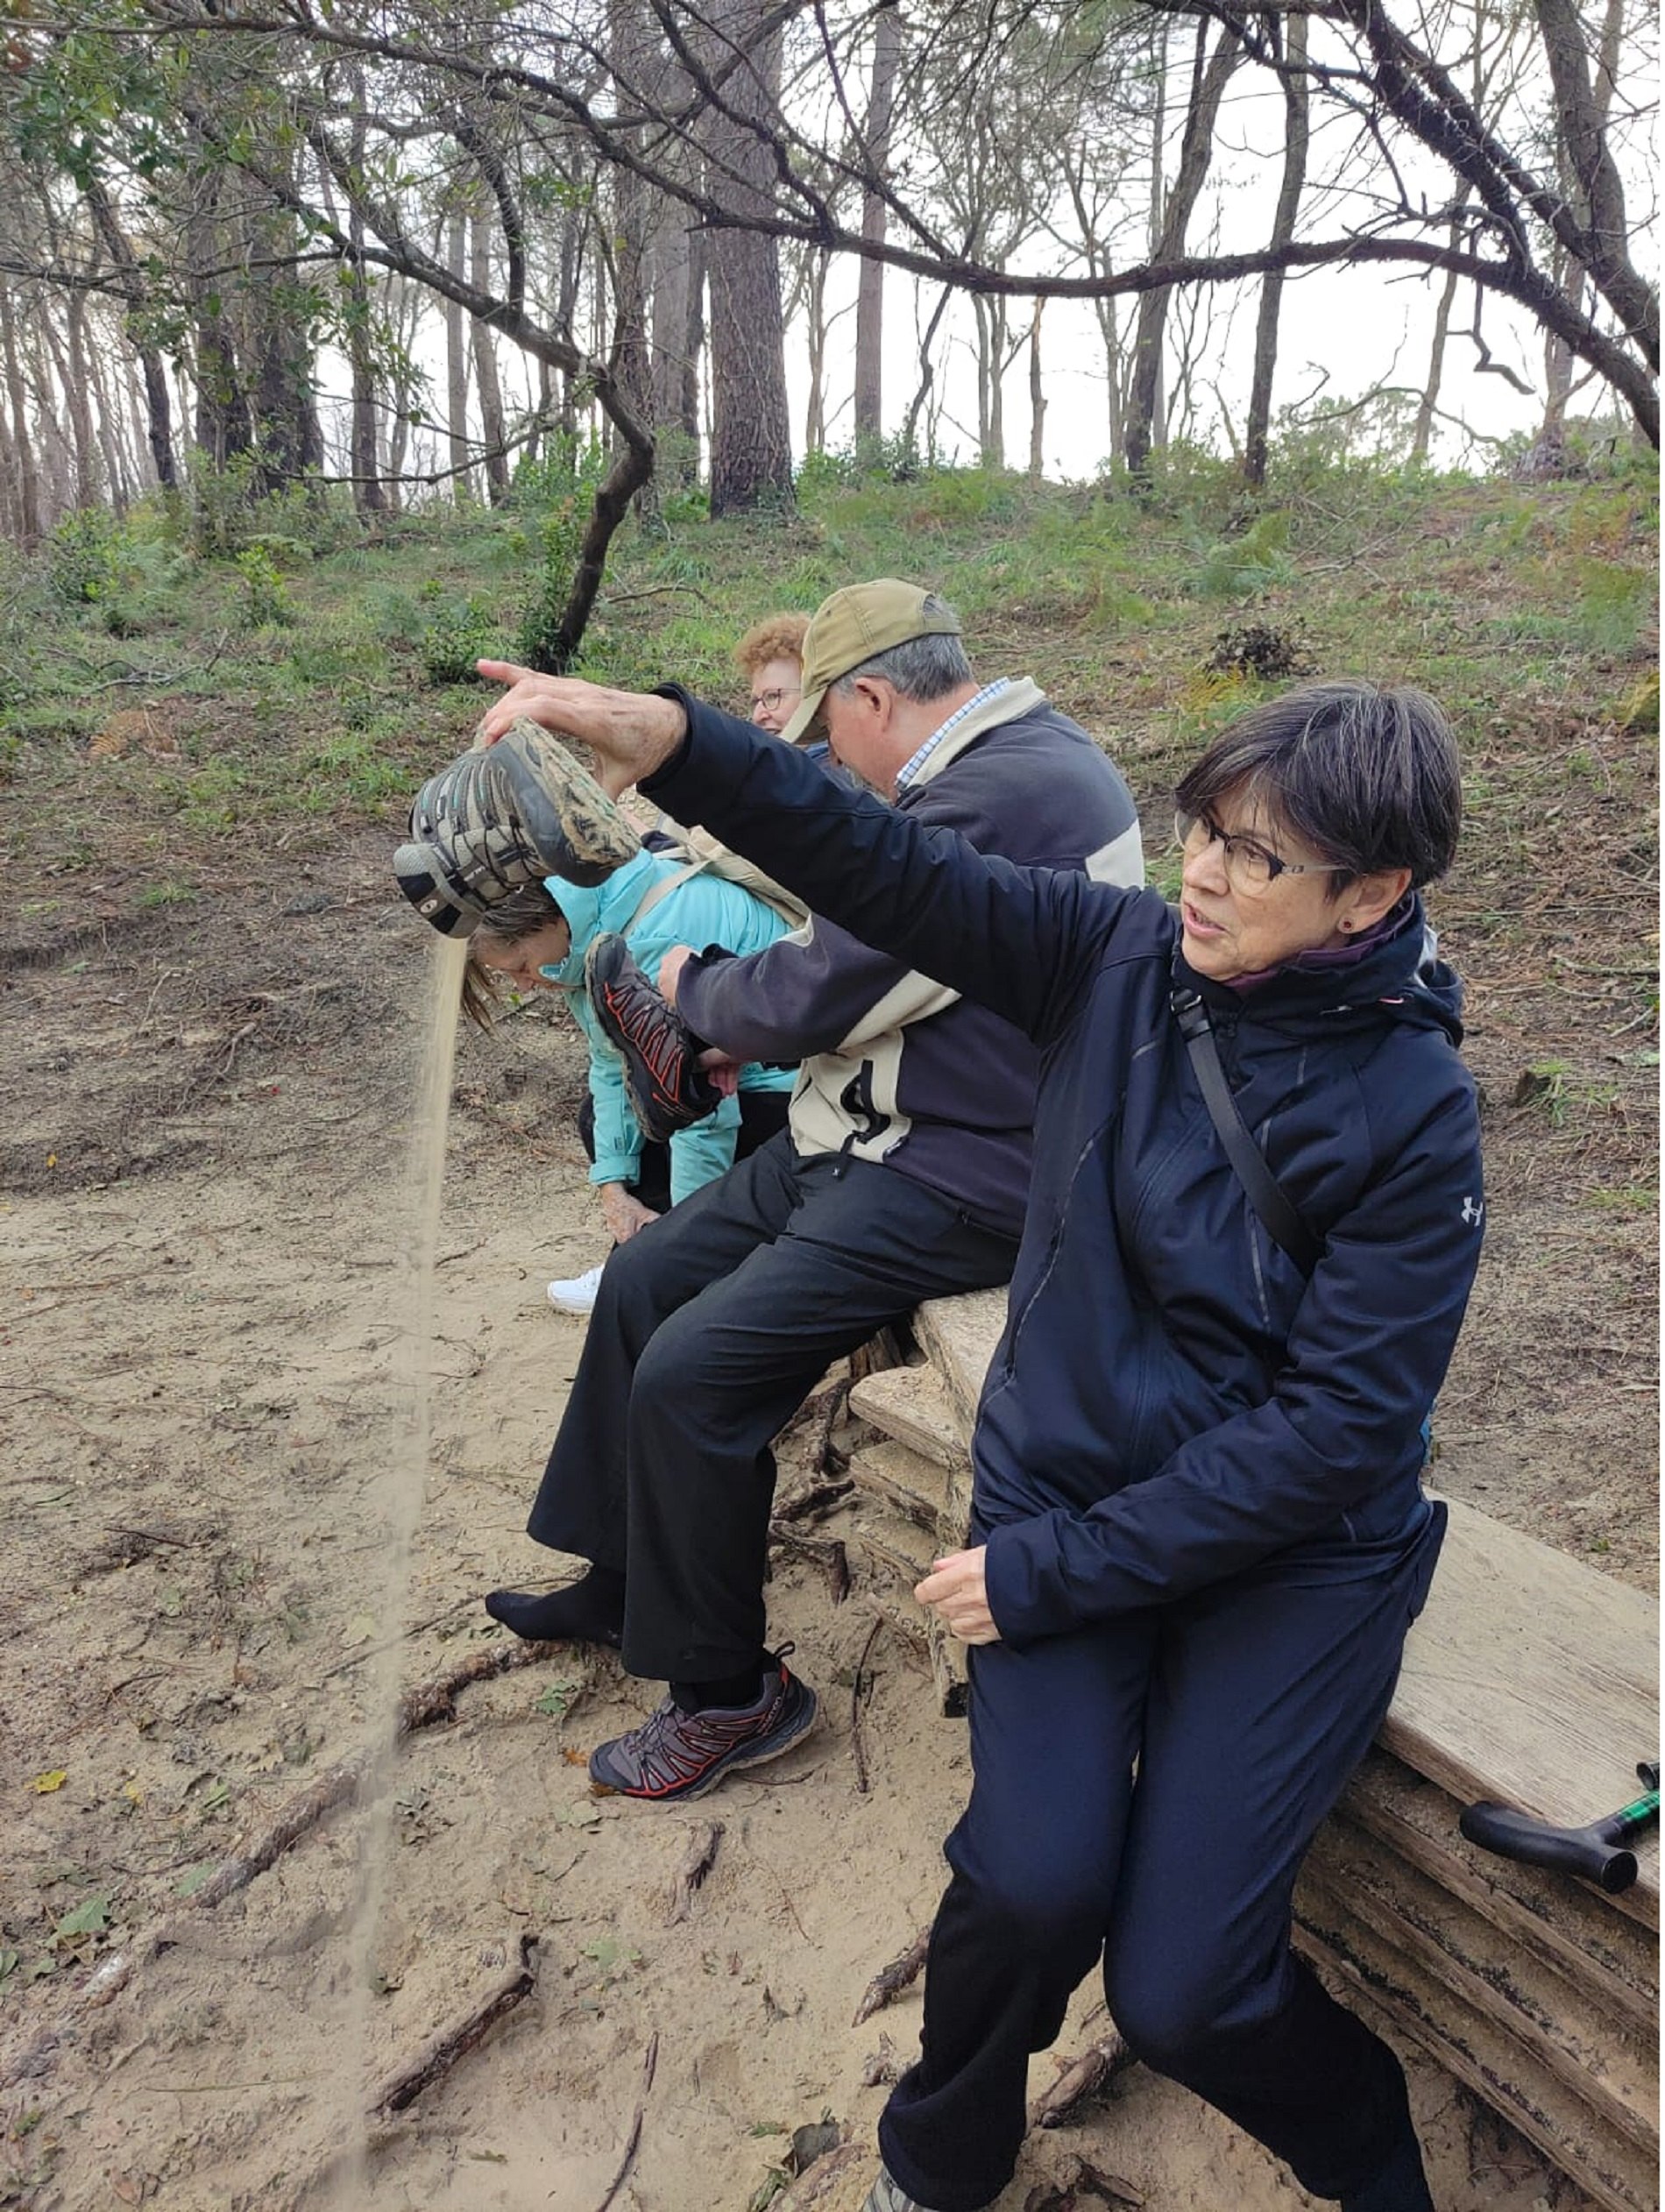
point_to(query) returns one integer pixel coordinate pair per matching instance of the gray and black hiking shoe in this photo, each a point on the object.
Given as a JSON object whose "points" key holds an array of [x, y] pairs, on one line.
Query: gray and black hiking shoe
{"points": [[502, 817], [888, 2194], [677, 1754], [669, 1089]]}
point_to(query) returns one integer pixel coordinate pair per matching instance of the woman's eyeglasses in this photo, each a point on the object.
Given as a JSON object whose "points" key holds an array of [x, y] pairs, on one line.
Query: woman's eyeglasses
{"points": [[1250, 866], [772, 702]]}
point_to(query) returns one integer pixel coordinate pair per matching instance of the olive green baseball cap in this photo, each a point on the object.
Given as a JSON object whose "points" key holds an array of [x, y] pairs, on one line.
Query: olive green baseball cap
{"points": [[854, 625]]}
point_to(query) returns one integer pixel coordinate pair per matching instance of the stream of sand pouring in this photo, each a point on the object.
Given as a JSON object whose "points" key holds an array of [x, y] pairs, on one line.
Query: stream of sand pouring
{"points": [[397, 1508]]}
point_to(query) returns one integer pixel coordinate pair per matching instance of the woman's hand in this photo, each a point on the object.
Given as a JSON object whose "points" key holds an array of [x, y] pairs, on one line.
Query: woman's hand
{"points": [[631, 733], [954, 1591], [623, 1212]]}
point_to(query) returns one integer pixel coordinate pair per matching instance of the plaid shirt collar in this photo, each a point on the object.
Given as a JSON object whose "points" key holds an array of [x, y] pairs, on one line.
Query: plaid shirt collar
{"points": [[910, 770]]}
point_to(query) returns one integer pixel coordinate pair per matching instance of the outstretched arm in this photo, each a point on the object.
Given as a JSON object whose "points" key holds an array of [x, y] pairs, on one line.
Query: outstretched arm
{"points": [[1020, 940]]}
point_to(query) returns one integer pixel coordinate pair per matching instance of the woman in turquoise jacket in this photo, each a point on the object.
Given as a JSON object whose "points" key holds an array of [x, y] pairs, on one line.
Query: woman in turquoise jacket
{"points": [[537, 940]]}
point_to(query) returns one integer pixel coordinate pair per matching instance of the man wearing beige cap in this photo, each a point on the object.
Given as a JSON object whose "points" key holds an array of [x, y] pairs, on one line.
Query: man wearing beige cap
{"points": [[902, 1176]]}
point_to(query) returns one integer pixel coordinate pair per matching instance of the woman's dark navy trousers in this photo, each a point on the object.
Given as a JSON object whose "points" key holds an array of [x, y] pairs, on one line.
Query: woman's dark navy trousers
{"points": [[1246, 1708]]}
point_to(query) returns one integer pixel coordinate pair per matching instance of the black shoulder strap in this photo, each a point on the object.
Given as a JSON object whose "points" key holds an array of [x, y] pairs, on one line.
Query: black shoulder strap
{"points": [[1267, 1196]]}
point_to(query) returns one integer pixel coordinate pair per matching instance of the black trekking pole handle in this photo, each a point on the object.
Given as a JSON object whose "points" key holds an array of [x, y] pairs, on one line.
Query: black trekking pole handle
{"points": [[1597, 1852]]}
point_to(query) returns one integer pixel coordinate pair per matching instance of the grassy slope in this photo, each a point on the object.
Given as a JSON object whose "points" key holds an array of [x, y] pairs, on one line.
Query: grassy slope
{"points": [[143, 762]]}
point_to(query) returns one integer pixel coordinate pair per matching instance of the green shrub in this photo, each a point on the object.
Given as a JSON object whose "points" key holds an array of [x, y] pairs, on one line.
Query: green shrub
{"points": [[458, 634], [1236, 568], [1613, 603], [84, 560], [266, 603], [537, 643], [566, 466]]}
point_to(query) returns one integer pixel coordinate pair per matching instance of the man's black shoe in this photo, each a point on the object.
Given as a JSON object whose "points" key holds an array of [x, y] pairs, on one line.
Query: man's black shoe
{"points": [[660, 1053]]}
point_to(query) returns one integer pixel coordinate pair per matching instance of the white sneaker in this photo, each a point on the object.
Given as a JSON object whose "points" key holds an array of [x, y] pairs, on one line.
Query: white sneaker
{"points": [[576, 1295]]}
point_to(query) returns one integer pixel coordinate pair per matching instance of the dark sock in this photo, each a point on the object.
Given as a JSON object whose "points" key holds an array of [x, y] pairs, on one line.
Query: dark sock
{"points": [[1398, 2185], [588, 1611], [726, 1695]]}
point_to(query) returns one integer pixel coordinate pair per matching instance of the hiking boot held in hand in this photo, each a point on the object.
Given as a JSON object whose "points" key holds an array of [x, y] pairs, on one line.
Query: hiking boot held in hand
{"points": [[677, 1754], [502, 817], [668, 1089]]}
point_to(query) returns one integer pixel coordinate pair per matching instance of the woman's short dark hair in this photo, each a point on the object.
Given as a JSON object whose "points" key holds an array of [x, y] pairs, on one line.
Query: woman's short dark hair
{"points": [[1365, 774]]}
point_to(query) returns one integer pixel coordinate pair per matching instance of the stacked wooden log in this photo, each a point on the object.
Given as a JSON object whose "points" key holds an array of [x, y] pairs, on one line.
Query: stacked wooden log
{"points": [[912, 1502], [1530, 1680]]}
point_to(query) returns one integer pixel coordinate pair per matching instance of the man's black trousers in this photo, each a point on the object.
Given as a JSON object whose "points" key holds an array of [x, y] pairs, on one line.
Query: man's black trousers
{"points": [[1248, 1706], [711, 1326]]}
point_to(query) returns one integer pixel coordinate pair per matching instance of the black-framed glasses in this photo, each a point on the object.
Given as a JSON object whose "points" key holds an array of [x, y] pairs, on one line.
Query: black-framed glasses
{"points": [[772, 702], [1250, 866]]}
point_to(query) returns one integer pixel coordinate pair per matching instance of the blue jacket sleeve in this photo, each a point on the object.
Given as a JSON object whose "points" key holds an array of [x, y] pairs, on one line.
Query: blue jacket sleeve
{"points": [[1356, 1383], [702, 1153], [1020, 940], [618, 1136]]}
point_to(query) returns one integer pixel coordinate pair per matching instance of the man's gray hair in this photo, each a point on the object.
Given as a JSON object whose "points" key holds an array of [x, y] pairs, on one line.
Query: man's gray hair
{"points": [[921, 668]]}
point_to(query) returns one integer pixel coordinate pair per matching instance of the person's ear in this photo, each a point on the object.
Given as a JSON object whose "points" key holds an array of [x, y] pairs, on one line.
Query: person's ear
{"points": [[1368, 897], [876, 696]]}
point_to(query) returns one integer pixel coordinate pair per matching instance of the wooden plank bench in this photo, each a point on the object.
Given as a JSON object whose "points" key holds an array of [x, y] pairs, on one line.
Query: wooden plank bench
{"points": [[1530, 1678]]}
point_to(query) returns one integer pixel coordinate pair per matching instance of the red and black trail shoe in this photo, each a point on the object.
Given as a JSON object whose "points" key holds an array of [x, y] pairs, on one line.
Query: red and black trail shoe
{"points": [[668, 1088]]}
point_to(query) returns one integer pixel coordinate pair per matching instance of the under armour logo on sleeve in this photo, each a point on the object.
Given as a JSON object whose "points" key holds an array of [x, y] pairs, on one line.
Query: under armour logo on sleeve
{"points": [[1473, 1210]]}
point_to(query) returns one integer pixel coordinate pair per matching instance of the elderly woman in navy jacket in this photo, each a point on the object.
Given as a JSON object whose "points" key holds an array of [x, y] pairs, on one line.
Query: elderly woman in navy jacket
{"points": [[1199, 1531]]}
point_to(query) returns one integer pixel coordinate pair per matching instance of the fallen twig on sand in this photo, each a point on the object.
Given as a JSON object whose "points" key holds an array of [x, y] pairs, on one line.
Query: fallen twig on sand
{"points": [[649, 2061], [695, 1865], [889, 1981], [419, 1707], [442, 2049], [1079, 2080], [861, 1681]]}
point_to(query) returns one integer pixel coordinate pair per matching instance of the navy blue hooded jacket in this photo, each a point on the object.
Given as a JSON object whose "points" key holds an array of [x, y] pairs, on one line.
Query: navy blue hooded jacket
{"points": [[1172, 1402]]}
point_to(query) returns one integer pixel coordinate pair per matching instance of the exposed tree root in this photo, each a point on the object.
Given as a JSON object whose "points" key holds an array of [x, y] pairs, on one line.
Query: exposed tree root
{"points": [[695, 1865], [1081, 2080], [442, 2050], [889, 1981], [649, 2061], [860, 1685]]}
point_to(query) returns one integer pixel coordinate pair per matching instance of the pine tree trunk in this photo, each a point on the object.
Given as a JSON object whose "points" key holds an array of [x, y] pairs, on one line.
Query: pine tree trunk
{"points": [[1569, 272], [631, 39], [456, 365], [493, 427], [678, 459], [107, 416], [869, 304], [72, 369], [1037, 397], [291, 438], [1283, 229], [694, 344], [25, 469], [1209, 83], [369, 493], [1422, 428], [751, 457], [815, 341]]}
